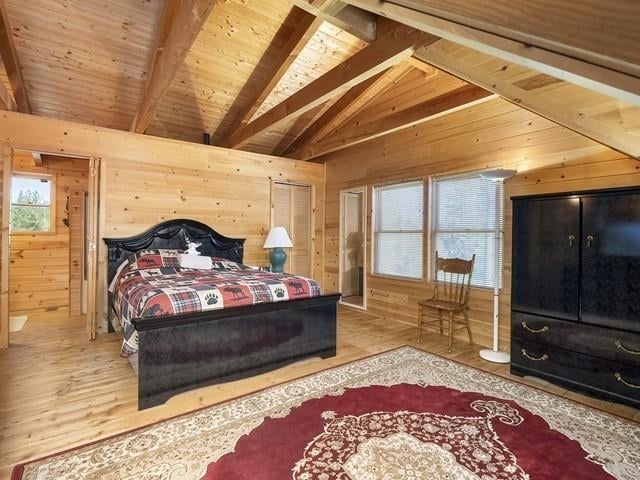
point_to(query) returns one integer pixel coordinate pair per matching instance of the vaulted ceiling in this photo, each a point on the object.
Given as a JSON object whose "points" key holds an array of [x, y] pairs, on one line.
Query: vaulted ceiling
{"points": [[303, 78]]}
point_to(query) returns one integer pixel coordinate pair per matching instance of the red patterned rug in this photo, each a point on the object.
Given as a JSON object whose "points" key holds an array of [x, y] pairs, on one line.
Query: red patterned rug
{"points": [[403, 414]]}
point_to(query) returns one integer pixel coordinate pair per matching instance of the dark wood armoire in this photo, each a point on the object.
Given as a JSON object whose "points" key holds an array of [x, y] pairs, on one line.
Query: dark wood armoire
{"points": [[576, 292]]}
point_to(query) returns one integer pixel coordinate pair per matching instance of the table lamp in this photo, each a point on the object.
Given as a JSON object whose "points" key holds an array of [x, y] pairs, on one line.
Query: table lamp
{"points": [[277, 239]]}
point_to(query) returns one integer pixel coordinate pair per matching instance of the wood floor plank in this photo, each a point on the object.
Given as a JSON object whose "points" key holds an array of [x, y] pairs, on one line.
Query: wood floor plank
{"points": [[59, 390]]}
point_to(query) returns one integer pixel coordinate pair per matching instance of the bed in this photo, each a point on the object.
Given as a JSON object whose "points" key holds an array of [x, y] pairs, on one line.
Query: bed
{"points": [[180, 351]]}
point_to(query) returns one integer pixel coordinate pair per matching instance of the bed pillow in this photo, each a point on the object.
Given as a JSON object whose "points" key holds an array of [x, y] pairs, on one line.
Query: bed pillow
{"points": [[154, 258], [224, 264], [196, 261]]}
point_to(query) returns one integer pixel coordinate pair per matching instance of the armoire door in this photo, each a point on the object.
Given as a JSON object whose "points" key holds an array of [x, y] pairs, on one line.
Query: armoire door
{"points": [[611, 260], [546, 256]]}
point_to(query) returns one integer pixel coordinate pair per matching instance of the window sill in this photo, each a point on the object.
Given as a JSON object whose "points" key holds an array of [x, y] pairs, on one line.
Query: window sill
{"points": [[397, 277], [28, 232]]}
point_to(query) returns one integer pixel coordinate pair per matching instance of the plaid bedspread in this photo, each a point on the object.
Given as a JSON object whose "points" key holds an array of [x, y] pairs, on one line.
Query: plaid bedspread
{"points": [[157, 292]]}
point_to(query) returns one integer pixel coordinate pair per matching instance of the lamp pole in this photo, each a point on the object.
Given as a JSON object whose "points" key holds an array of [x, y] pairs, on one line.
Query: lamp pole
{"points": [[494, 354]]}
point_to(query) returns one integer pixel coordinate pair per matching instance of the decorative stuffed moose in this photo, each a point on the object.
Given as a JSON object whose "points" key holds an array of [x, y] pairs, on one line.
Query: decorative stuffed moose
{"points": [[192, 248]]}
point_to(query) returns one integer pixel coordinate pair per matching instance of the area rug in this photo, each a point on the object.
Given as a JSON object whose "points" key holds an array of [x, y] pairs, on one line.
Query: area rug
{"points": [[403, 414]]}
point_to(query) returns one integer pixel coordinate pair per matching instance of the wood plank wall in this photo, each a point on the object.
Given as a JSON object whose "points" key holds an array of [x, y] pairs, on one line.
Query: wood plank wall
{"points": [[40, 268], [494, 134], [145, 180]]}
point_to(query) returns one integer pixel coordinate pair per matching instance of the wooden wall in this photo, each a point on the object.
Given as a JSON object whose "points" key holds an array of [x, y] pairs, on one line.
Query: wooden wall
{"points": [[493, 134], [145, 180], [40, 265]]}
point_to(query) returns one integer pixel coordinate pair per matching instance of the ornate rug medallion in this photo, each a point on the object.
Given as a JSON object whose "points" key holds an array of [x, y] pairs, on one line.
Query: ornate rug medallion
{"points": [[413, 446], [403, 414]]}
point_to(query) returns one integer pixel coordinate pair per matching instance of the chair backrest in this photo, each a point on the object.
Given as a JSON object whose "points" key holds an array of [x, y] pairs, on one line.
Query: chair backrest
{"points": [[453, 279]]}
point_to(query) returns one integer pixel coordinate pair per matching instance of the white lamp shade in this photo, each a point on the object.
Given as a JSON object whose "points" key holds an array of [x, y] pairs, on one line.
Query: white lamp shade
{"points": [[278, 238]]}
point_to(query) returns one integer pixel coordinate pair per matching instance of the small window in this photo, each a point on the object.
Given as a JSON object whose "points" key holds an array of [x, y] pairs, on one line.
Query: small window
{"points": [[398, 230], [464, 222], [31, 200]]}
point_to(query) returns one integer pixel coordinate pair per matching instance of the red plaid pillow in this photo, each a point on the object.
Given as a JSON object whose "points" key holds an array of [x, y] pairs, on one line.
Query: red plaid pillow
{"points": [[224, 264], [154, 258]]}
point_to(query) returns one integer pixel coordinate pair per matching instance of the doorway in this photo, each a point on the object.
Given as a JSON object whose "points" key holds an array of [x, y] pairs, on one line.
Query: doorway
{"points": [[50, 239], [292, 208], [353, 227]]}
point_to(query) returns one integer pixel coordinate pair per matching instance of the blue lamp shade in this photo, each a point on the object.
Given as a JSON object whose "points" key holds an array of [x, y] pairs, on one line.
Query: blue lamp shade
{"points": [[278, 239]]}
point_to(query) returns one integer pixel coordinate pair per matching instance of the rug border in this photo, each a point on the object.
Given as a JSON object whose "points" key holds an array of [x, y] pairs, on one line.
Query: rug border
{"points": [[18, 470]]}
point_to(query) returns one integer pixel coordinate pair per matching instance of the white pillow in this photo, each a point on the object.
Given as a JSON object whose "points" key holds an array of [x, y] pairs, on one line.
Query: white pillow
{"points": [[195, 261]]}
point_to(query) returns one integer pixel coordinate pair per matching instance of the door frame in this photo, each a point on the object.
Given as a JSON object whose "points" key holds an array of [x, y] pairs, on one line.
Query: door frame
{"points": [[363, 191], [5, 254]]}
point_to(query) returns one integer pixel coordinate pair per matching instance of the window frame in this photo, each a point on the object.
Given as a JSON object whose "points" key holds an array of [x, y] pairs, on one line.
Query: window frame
{"points": [[374, 228], [433, 216], [52, 203]]}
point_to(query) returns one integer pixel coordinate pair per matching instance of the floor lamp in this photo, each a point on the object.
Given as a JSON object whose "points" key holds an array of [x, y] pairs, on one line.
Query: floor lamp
{"points": [[498, 176]]}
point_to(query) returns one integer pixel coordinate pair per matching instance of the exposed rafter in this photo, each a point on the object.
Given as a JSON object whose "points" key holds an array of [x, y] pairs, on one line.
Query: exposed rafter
{"points": [[305, 27], [349, 135], [388, 50], [12, 65], [37, 159], [180, 25], [354, 20], [347, 106], [551, 52], [542, 105]]}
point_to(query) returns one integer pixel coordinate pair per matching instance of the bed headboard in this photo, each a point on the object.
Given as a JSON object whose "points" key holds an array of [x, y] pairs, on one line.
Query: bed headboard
{"points": [[174, 234]]}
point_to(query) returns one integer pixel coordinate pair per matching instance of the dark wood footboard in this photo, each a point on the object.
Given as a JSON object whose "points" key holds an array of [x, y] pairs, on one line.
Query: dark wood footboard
{"points": [[180, 353]]}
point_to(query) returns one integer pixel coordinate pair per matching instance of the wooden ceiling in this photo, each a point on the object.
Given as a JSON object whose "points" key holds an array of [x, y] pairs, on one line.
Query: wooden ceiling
{"points": [[269, 76]]}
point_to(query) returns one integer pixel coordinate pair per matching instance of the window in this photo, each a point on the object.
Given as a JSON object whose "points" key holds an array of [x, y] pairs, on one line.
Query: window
{"points": [[463, 223], [398, 230], [31, 197]]}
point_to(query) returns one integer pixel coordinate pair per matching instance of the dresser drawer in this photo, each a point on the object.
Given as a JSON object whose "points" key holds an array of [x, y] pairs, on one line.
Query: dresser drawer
{"points": [[604, 378], [606, 343]]}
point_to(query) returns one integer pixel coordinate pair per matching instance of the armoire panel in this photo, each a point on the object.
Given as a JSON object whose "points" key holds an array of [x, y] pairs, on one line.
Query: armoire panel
{"points": [[611, 260], [546, 246]]}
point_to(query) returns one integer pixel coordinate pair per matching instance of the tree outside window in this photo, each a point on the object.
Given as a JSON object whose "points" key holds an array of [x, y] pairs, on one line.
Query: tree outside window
{"points": [[31, 203]]}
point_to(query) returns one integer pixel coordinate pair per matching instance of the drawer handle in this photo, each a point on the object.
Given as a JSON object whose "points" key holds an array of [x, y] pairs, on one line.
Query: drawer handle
{"points": [[533, 330], [620, 379], [621, 346], [535, 359]]}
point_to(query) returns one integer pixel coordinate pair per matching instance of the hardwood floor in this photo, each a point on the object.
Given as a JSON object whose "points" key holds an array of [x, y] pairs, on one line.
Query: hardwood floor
{"points": [[58, 390]]}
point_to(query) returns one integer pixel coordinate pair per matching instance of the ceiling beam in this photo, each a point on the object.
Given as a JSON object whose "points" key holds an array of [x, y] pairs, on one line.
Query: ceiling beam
{"points": [[180, 24], [352, 134], [305, 26], [611, 70], [37, 159], [356, 21], [11, 64], [392, 48], [350, 103], [541, 105]]}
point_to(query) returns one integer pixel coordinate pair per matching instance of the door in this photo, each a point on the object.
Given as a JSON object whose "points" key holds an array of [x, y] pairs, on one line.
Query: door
{"points": [[292, 209], [546, 257], [352, 247], [611, 260], [92, 239]]}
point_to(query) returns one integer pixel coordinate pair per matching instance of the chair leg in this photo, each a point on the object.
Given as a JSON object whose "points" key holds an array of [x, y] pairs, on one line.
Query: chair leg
{"points": [[450, 331], [440, 318], [466, 322], [419, 323]]}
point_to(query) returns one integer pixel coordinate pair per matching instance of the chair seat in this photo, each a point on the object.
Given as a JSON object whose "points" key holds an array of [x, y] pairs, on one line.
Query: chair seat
{"points": [[442, 305]]}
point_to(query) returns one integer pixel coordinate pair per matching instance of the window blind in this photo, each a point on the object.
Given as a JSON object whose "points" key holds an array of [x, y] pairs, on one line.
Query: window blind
{"points": [[463, 223], [398, 232]]}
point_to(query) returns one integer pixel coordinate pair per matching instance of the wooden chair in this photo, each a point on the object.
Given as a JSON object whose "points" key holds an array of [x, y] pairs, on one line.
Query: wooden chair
{"points": [[451, 295]]}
